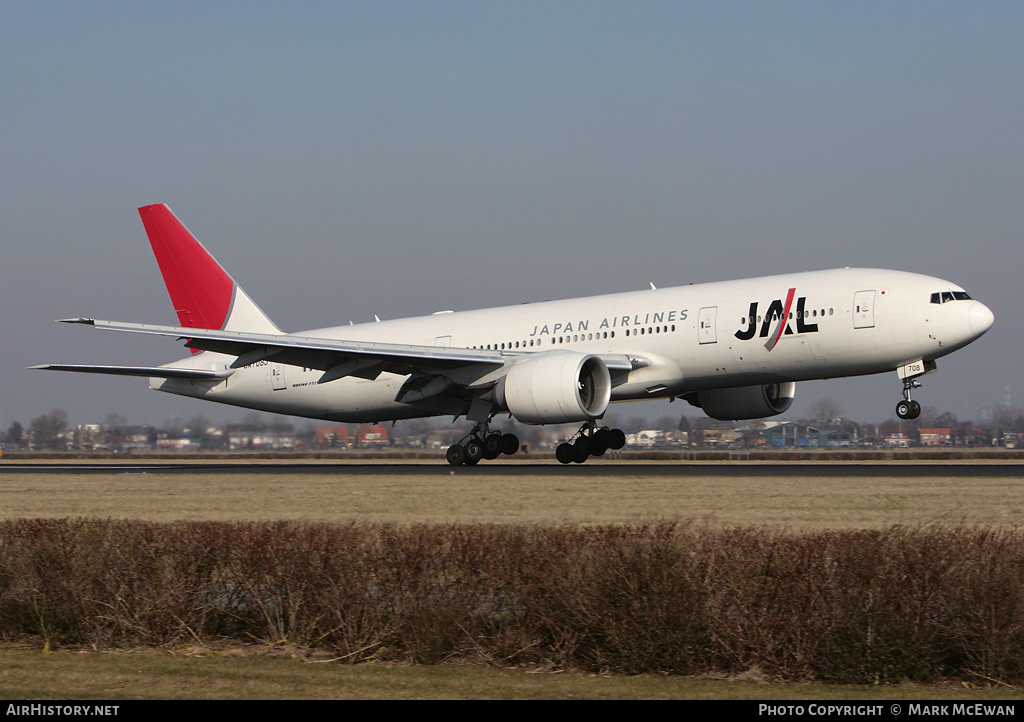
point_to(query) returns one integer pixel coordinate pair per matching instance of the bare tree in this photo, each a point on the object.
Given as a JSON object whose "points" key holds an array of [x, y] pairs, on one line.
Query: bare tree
{"points": [[115, 429], [15, 436], [826, 411], [46, 430], [666, 423]]}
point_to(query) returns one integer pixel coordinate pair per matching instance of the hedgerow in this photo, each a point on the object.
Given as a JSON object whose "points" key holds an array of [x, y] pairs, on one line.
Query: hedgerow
{"points": [[857, 606]]}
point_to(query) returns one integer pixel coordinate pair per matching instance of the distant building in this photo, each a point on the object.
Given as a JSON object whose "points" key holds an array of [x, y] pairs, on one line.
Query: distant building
{"points": [[261, 436], [165, 442], [656, 438], [372, 436], [644, 439], [141, 438], [88, 436], [936, 437], [837, 438], [897, 439], [778, 434], [790, 433], [720, 437], [335, 437]]}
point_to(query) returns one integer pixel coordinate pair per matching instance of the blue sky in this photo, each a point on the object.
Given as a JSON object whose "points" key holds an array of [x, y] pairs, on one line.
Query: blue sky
{"points": [[392, 158]]}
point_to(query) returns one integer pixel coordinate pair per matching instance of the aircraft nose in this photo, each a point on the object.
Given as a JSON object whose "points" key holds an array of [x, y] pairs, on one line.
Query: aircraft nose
{"points": [[980, 318]]}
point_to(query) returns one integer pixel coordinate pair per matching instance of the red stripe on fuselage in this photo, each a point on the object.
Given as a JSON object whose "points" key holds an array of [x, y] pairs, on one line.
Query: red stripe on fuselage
{"points": [[783, 321]]}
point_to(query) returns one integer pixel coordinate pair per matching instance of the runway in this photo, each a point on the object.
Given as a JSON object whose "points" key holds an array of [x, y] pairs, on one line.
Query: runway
{"points": [[546, 468]]}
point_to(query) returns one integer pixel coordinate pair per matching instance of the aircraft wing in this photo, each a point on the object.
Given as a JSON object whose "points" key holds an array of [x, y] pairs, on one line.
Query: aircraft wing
{"points": [[336, 358]]}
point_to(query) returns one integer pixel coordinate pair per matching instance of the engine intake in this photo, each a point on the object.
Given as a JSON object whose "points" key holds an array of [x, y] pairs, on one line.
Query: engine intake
{"points": [[747, 402], [556, 387]]}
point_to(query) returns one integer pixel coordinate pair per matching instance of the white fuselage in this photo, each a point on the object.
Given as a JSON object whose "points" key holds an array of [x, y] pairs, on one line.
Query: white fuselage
{"points": [[842, 322]]}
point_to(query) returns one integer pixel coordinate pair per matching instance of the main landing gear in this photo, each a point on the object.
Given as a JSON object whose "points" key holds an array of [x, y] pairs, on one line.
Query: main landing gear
{"points": [[590, 441], [908, 408], [481, 444]]}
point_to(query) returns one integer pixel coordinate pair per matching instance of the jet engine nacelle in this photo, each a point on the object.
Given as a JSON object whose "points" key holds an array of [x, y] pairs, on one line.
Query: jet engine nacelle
{"points": [[747, 402], [556, 387]]}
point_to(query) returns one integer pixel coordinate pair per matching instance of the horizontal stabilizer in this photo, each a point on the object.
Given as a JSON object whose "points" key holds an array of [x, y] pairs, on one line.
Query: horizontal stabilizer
{"points": [[163, 372]]}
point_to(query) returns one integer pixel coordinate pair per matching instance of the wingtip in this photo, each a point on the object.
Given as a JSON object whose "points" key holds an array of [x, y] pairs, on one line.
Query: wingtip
{"points": [[84, 321]]}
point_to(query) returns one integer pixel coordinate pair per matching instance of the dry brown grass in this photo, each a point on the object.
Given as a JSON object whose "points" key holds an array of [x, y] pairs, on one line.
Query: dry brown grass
{"points": [[834, 502], [261, 673]]}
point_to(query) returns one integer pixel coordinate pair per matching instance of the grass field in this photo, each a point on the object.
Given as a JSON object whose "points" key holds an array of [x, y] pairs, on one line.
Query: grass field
{"points": [[547, 498], [617, 498], [200, 675]]}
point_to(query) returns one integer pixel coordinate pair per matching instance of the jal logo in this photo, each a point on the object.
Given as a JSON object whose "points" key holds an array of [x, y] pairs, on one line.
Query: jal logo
{"points": [[777, 315]]}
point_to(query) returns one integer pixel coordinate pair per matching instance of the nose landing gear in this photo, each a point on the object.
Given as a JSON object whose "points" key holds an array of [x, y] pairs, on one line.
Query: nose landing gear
{"points": [[909, 373], [908, 408]]}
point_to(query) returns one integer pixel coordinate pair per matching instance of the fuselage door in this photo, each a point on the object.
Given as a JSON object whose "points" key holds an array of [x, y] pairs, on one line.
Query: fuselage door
{"points": [[277, 377], [706, 324], [864, 309]]}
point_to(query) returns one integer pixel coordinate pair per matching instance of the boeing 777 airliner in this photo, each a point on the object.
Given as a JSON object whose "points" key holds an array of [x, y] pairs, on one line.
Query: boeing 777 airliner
{"points": [[734, 349]]}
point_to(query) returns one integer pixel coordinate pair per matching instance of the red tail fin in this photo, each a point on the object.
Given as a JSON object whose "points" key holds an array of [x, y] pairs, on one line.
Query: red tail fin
{"points": [[203, 294]]}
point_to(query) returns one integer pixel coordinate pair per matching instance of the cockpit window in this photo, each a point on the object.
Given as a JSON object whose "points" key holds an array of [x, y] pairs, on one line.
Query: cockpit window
{"points": [[947, 296]]}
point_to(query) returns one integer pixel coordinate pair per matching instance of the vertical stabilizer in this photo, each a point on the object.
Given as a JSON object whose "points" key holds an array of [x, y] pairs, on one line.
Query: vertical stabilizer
{"points": [[203, 293]]}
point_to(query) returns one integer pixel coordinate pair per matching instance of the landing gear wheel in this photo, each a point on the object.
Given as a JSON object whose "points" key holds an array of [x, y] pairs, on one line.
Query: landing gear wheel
{"points": [[908, 409], [474, 450], [564, 453], [509, 444], [481, 443], [580, 450], [492, 446], [616, 439], [456, 455]]}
